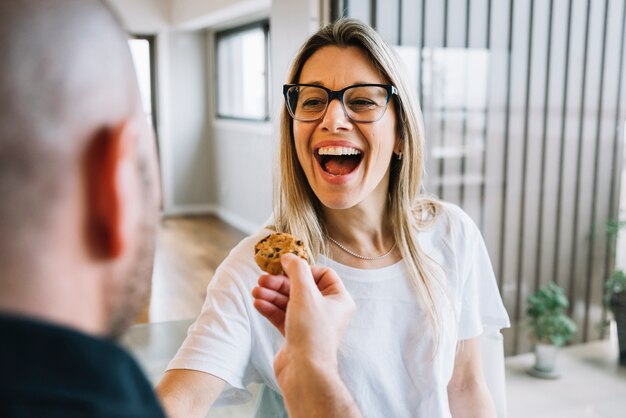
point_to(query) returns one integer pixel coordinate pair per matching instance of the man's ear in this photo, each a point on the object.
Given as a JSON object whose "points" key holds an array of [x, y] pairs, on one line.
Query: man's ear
{"points": [[110, 173]]}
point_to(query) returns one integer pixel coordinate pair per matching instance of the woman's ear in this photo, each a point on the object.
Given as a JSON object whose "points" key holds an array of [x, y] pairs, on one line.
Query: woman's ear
{"points": [[398, 149]]}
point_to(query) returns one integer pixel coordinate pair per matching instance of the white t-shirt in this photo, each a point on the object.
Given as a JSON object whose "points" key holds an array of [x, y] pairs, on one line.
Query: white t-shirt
{"points": [[386, 356]]}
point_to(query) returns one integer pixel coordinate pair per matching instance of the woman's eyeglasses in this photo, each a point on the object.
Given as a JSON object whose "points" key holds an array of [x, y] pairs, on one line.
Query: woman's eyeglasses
{"points": [[361, 102]]}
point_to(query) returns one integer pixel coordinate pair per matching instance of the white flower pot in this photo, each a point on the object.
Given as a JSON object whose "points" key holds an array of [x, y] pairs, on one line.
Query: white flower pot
{"points": [[545, 361]]}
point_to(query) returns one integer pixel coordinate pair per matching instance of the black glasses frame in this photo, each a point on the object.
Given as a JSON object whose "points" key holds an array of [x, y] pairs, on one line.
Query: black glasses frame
{"points": [[338, 94]]}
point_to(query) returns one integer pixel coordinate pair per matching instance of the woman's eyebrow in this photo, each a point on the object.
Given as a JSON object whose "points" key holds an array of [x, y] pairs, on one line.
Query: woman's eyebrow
{"points": [[317, 83]]}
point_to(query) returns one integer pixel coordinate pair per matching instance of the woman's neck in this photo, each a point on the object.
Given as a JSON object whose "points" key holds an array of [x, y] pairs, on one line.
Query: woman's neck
{"points": [[359, 223], [365, 230]]}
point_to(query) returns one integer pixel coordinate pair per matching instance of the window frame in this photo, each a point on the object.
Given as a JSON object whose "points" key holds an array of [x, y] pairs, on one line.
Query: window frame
{"points": [[153, 77], [264, 25]]}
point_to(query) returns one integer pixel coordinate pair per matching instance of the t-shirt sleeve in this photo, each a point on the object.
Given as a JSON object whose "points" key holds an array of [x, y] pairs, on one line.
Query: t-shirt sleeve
{"points": [[481, 304], [219, 342]]}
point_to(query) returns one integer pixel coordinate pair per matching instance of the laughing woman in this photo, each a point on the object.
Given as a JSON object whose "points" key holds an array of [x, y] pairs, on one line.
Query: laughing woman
{"points": [[351, 158]]}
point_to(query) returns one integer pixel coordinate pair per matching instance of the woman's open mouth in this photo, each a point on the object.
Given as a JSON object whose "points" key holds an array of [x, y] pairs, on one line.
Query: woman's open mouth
{"points": [[338, 161]]}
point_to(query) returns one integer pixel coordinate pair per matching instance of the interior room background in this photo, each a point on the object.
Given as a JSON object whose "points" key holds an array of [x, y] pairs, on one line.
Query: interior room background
{"points": [[523, 104]]}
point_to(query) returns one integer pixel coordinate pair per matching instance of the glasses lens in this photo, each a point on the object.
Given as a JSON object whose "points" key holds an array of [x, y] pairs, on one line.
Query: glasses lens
{"points": [[365, 103], [307, 103]]}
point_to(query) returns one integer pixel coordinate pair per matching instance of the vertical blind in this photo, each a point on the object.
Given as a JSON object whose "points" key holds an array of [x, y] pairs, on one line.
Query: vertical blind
{"points": [[523, 104]]}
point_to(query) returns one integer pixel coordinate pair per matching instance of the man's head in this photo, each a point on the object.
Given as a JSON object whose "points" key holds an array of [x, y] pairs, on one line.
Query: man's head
{"points": [[78, 189]]}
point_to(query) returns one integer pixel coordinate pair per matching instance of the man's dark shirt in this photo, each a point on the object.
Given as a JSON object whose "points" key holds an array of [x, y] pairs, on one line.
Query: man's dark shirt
{"points": [[49, 371]]}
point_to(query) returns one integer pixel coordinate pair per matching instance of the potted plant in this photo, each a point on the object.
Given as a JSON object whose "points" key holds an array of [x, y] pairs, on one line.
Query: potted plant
{"points": [[615, 302], [615, 294], [550, 327]]}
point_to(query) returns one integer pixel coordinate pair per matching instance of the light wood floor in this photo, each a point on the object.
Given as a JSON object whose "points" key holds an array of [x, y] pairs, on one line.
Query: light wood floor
{"points": [[189, 249]]}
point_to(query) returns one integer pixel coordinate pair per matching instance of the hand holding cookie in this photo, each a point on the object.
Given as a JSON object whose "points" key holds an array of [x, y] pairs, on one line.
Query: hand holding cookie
{"points": [[311, 308]]}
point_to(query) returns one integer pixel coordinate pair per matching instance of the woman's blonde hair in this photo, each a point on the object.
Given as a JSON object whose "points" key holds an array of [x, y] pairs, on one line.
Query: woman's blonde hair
{"points": [[298, 211]]}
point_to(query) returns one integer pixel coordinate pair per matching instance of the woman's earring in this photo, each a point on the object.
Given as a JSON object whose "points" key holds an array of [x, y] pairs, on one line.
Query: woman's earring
{"points": [[399, 155]]}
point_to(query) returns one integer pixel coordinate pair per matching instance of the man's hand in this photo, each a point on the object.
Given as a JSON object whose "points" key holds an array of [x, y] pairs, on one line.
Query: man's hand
{"points": [[310, 307]]}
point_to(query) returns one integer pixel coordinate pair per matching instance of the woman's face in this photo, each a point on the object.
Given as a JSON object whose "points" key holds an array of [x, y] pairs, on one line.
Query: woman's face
{"points": [[344, 181]]}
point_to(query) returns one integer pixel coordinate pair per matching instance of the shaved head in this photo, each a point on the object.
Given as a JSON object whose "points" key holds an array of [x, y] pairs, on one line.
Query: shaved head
{"points": [[66, 78], [65, 71]]}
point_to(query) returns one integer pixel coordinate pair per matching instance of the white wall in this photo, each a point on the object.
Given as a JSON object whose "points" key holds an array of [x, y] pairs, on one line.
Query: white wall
{"points": [[143, 16], [241, 162], [291, 23], [187, 139], [205, 14]]}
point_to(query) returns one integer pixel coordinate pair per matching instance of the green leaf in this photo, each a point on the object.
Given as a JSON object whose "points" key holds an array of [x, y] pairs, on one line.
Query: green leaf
{"points": [[548, 321]]}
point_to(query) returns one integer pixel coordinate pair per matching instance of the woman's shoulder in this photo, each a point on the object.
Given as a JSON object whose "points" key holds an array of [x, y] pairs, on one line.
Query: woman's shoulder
{"points": [[455, 214], [446, 218], [248, 243], [240, 260]]}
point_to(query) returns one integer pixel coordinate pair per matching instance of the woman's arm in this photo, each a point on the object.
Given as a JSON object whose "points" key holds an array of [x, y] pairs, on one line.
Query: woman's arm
{"points": [[468, 394], [188, 393]]}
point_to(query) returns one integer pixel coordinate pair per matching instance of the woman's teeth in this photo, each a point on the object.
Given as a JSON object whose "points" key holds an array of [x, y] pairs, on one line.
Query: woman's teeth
{"points": [[338, 151]]}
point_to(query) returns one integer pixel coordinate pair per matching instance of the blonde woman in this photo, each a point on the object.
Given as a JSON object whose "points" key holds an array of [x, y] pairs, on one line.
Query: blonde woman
{"points": [[351, 166]]}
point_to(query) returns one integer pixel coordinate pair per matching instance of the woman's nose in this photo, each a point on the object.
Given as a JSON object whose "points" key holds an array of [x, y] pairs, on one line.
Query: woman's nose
{"points": [[335, 117]]}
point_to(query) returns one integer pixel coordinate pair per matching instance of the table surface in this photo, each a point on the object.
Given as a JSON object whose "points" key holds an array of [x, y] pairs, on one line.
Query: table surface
{"points": [[592, 384], [154, 345]]}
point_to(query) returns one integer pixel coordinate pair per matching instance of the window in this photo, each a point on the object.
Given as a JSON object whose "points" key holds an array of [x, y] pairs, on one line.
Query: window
{"points": [[242, 72], [142, 51]]}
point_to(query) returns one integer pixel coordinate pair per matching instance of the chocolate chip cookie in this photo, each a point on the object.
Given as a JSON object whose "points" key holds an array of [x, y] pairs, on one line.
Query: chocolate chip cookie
{"points": [[268, 251]]}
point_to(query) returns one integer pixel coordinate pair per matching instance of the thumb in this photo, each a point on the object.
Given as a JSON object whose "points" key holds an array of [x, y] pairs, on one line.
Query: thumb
{"points": [[300, 278]]}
